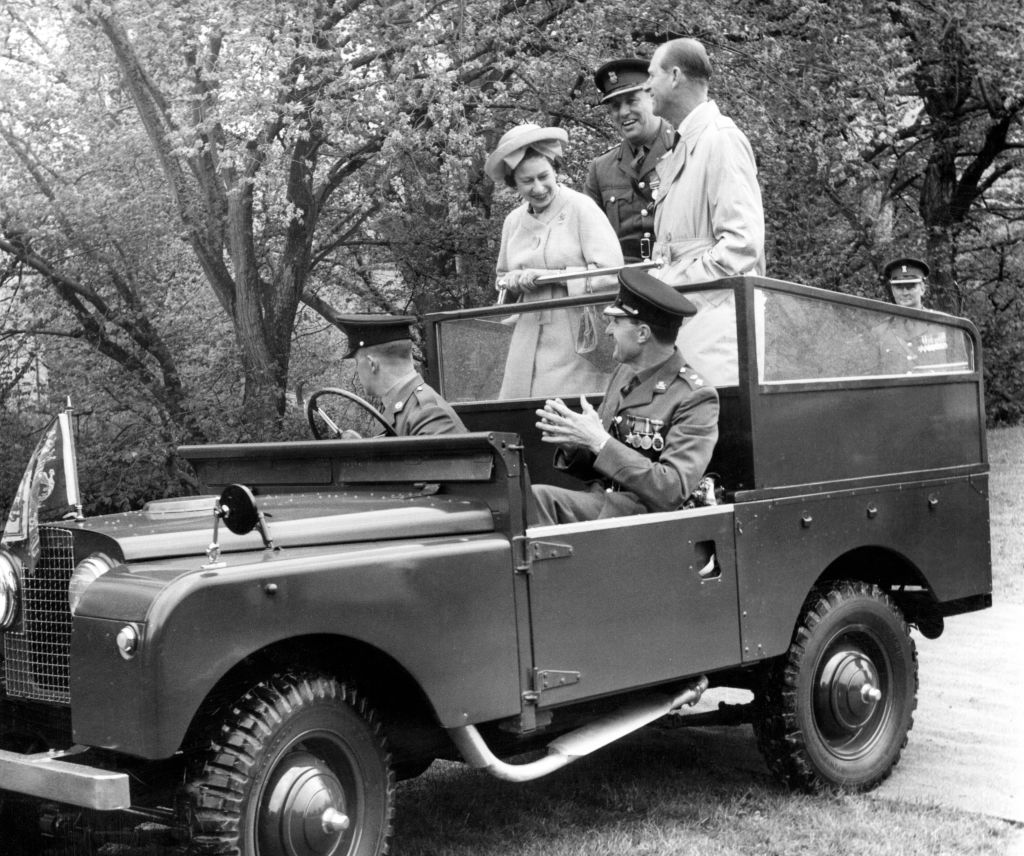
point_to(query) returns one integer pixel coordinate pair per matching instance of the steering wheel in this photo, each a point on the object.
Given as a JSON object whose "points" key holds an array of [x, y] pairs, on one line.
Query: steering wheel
{"points": [[339, 410]]}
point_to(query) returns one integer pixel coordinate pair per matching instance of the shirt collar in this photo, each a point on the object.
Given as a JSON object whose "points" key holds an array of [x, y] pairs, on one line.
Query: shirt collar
{"points": [[694, 117], [389, 399]]}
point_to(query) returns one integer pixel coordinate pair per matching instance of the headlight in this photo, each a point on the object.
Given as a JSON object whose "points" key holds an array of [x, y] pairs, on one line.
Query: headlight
{"points": [[10, 584], [90, 569]]}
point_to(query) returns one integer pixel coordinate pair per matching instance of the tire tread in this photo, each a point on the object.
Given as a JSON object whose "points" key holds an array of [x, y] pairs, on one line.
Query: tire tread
{"points": [[776, 726], [218, 790]]}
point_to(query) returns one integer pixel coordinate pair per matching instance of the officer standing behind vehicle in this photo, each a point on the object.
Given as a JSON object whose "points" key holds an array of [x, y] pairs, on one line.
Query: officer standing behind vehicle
{"points": [[907, 281], [382, 348], [647, 447], [910, 345], [622, 180]]}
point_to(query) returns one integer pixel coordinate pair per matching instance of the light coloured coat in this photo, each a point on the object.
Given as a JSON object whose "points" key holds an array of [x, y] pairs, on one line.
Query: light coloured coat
{"points": [[571, 234], [709, 220]]}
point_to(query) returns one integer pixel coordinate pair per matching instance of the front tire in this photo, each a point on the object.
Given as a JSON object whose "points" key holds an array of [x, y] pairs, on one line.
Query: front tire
{"points": [[299, 767], [836, 709]]}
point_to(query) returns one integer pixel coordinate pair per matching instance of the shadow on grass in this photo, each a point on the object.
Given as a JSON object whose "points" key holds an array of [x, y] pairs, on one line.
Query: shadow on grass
{"points": [[630, 794], [699, 791]]}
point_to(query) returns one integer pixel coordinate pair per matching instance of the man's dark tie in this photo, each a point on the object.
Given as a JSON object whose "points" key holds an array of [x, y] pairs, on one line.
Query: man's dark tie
{"points": [[675, 141], [638, 159], [629, 386]]}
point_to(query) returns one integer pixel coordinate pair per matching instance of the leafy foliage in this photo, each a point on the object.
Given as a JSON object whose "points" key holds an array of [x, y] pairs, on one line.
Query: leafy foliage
{"points": [[189, 191]]}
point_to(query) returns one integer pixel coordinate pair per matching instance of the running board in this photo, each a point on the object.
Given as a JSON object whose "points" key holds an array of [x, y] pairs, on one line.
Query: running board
{"points": [[574, 745]]}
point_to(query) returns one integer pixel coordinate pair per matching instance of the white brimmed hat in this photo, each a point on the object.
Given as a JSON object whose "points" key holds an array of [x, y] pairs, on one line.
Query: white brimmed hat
{"points": [[514, 143]]}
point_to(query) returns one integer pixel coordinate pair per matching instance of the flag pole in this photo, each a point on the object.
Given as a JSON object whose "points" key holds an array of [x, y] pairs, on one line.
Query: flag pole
{"points": [[74, 495]]}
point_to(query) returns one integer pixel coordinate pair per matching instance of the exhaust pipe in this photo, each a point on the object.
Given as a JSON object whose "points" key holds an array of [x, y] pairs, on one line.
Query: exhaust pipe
{"points": [[574, 745]]}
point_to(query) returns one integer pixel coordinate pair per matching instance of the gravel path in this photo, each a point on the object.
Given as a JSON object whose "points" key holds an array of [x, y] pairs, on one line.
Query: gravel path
{"points": [[966, 749]]}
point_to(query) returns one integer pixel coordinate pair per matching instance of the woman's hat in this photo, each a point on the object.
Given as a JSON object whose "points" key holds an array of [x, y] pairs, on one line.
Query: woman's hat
{"points": [[514, 143]]}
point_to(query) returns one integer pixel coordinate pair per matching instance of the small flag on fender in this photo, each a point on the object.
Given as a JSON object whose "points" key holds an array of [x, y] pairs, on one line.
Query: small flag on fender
{"points": [[48, 489]]}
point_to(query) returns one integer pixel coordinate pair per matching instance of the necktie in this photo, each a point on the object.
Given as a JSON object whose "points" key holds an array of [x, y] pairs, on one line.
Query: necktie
{"points": [[638, 160], [675, 141], [629, 386]]}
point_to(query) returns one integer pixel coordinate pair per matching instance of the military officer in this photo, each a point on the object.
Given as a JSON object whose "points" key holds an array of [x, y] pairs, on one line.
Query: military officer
{"points": [[909, 345], [907, 281], [648, 445], [622, 180], [382, 348]]}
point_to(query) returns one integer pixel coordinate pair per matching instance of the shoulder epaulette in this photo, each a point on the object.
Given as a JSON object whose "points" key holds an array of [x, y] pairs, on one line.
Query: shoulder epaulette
{"points": [[692, 376]]}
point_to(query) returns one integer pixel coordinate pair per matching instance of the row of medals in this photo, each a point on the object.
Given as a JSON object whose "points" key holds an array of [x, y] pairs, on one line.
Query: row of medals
{"points": [[645, 433]]}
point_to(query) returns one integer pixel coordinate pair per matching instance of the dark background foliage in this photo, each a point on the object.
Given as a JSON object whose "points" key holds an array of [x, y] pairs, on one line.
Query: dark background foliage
{"points": [[189, 190]]}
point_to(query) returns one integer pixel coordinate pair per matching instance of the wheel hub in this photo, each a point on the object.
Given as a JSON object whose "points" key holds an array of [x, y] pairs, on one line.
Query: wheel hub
{"points": [[304, 809], [847, 694]]}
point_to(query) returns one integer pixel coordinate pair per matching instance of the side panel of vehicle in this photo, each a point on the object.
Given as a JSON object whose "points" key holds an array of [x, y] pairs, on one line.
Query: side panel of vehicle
{"points": [[632, 601], [929, 533], [908, 426], [444, 611]]}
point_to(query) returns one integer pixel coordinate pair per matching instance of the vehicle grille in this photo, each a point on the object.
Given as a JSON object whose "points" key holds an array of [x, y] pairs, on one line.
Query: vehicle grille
{"points": [[37, 655]]}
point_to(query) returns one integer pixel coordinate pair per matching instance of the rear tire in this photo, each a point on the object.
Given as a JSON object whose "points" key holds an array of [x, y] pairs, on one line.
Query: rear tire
{"points": [[299, 767], [836, 709]]}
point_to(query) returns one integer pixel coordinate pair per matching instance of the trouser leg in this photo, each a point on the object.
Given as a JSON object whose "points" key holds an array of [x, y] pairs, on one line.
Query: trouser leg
{"points": [[560, 505]]}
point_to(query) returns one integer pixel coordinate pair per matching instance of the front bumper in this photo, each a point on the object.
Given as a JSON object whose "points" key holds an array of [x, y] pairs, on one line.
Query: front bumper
{"points": [[50, 776]]}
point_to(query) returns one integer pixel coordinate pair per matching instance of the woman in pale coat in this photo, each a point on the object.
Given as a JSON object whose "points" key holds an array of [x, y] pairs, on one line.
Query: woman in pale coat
{"points": [[555, 230]]}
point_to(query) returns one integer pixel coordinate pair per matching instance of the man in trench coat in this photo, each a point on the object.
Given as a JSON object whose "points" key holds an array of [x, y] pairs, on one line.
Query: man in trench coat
{"points": [[709, 220]]}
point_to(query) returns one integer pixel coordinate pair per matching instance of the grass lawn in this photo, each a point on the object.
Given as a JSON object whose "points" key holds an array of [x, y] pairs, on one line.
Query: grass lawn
{"points": [[705, 791], [690, 791], [1006, 492]]}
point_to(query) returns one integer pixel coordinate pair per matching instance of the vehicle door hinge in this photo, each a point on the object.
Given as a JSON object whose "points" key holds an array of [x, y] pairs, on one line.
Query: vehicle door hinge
{"points": [[553, 679], [526, 552]]}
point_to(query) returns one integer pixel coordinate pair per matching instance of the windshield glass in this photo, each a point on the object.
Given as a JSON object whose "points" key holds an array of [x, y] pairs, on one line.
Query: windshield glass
{"points": [[536, 351], [808, 339]]}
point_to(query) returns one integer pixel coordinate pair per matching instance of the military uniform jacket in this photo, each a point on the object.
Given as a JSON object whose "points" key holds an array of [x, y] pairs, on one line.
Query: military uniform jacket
{"points": [[413, 407], [673, 403], [626, 192], [709, 219], [907, 345]]}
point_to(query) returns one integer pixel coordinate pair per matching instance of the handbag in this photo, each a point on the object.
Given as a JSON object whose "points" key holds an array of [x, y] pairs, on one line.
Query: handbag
{"points": [[591, 342]]}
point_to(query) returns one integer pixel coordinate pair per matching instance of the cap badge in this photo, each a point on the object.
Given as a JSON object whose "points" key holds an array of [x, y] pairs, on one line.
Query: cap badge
{"points": [[613, 77]]}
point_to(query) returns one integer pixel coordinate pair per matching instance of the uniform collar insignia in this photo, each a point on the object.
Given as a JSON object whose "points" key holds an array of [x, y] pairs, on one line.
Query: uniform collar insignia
{"points": [[691, 376], [660, 386], [399, 405]]}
